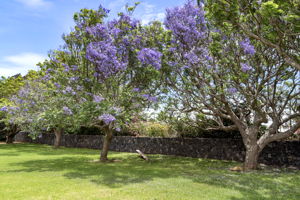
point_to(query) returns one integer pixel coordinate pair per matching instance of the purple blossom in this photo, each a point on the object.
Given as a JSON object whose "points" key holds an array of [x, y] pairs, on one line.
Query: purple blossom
{"points": [[136, 89], [79, 87], [118, 129], [245, 67], [87, 80], [107, 118], [117, 109], [232, 90], [25, 110], [133, 23], [185, 67], [69, 89], [57, 85], [187, 23], [97, 99], [146, 96], [104, 55], [99, 31], [67, 111], [74, 67], [106, 11], [4, 109], [171, 63], [172, 49], [247, 47], [150, 57], [74, 78], [96, 74], [47, 77], [49, 70], [149, 97], [67, 68], [192, 58], [152, 99], [83, 99]]}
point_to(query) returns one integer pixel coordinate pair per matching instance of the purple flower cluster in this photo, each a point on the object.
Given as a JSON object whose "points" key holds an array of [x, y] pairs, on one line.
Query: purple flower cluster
{"points": [[47, 77], [57, 85], [99, 31], [192, 58], [97, 99], [245, 67], [232, 90], [149, 98], [126, 19], [107, 118], [187, 23], [4, 109], [101, 8], [75, 78], [150, 57], [67, 111], [67, 68], [74, 67], [247, 47], [49, 70], [104, 55]]}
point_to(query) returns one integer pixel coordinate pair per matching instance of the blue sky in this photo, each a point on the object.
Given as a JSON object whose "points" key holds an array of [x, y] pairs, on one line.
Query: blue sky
{"points": [[30, 28]]}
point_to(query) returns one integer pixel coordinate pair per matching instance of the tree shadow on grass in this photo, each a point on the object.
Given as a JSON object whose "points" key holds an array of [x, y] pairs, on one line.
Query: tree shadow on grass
{"points": [[43, 149], [267, 185]]}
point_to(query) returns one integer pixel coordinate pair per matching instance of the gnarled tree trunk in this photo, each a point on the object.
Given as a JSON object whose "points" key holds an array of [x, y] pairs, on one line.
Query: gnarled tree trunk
{"points": [[107, 140], [9, 139], [58, 134], [251, 159], [253, 149], [12, 132]]}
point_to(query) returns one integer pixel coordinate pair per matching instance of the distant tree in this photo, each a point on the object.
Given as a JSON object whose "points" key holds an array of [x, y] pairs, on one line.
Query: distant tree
{"points": [[8, 88]]}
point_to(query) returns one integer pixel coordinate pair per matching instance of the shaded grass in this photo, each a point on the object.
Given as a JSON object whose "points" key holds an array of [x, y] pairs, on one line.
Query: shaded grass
{"points": [[30, 171]]}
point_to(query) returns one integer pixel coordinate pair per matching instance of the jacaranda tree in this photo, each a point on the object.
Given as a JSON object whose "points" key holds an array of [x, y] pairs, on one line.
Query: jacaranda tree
{"points": [[229, 76], [108, 68], [9, 87]]}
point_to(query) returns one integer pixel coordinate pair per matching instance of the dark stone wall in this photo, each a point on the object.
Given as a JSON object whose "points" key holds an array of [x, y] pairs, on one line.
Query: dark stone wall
{"points": [[284, 153]]}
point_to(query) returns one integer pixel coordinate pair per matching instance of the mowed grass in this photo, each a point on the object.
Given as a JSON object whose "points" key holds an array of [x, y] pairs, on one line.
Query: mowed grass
{"points": [[30, 171]]}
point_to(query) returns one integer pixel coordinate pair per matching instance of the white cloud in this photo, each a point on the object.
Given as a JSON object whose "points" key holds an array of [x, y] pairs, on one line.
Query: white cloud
{"points": [[35, 3], [148, 12], [151, 17], [20, 63]]}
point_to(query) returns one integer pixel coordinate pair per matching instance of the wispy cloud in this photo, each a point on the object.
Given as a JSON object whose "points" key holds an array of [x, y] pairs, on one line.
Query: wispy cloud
{"points": [[20, 63], [148, 12], [35, 3]]}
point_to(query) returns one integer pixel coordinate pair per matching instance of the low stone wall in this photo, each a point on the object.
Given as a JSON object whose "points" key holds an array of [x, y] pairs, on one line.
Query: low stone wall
{"points": [[285, 153]]}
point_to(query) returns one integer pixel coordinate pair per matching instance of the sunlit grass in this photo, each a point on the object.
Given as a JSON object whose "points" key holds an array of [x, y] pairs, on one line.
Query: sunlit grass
{"points": [[29, 171]]}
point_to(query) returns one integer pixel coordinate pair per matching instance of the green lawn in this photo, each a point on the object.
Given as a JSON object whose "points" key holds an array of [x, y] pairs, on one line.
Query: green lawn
{"points": [[29, 171]]}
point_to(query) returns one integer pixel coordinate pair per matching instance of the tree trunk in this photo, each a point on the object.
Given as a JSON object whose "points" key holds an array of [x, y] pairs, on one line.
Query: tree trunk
{"points": [[9, 139], [251, 160], [106, 143], [58, 134]]}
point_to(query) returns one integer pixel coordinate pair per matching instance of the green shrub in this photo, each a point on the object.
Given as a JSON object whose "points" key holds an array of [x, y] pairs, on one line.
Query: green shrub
{"points": [[150, 129]]}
